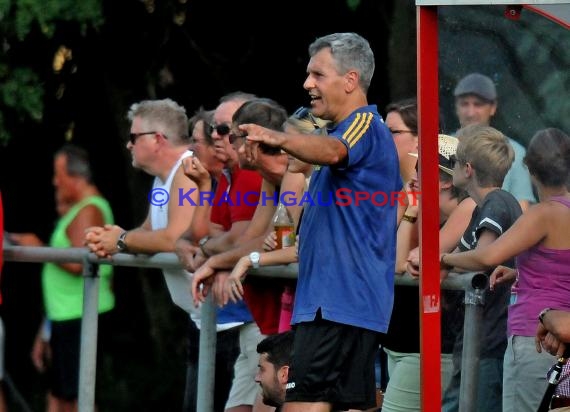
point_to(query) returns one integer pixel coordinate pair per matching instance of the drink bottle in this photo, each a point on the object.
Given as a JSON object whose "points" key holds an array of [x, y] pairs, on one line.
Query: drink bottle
{"points": [[284, 227]]}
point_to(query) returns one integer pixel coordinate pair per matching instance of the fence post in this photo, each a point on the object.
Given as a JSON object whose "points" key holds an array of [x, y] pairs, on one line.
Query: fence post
{"points": [[88, 345], [207, 356], [474, 303]]}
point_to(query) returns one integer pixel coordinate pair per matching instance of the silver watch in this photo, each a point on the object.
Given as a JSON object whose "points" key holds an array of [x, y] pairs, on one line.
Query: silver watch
{"points": [[121, 244], [254, 258]]}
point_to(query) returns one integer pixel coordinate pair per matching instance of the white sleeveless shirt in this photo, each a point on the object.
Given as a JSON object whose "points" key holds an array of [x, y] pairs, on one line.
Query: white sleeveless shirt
{"points": [[178, 281]]}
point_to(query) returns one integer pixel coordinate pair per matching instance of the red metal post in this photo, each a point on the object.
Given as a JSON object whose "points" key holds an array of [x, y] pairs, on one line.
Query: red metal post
{"points": [[428, 111]]}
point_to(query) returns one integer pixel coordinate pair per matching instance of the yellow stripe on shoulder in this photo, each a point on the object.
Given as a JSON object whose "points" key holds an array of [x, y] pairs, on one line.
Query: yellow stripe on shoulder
{"points": [[359, 126]]}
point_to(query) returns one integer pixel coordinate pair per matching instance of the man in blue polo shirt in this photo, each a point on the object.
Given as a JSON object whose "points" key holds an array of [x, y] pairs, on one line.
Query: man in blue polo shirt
{"points": [[345, 288]]}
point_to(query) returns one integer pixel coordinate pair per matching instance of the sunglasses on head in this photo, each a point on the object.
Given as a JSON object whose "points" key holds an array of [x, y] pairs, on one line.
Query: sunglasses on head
{"points": [[303, 113], [222, 129]]}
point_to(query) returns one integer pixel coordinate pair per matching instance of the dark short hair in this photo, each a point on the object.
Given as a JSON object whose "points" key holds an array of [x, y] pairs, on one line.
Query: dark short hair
{"points": [[279, 348], [264, 112], [206, 117], [548, 157], [77, 161], [408, 111]]}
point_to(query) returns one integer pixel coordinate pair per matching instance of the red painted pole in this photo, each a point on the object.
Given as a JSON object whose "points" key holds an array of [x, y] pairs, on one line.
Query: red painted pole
{"points": [[428, 111]]}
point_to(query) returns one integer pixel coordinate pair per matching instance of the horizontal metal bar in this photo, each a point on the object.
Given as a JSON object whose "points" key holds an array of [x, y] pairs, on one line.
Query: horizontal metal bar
{"points": [[170, 261]]}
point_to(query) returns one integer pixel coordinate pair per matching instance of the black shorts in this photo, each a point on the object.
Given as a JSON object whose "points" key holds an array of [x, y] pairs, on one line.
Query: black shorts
{"points": [[333, 363], [64, 343]]}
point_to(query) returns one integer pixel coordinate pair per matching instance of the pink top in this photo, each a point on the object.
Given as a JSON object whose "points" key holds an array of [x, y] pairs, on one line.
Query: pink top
{"points": [[543, 281]]}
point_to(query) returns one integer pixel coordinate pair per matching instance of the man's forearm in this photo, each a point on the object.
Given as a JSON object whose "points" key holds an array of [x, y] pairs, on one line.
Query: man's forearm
{"points": [[228, 259]]}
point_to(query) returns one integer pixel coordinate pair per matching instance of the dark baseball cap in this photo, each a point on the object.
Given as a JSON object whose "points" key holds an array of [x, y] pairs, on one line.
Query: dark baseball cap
{"points": [[477, 84]]}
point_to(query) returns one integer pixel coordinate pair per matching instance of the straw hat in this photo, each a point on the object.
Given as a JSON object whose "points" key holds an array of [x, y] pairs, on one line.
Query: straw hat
{"points": [[447, 147]]}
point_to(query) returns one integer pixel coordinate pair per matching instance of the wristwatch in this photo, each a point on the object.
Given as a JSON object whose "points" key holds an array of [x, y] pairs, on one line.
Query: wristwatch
{"points": [[121, 244], [542, 313], [202, 244], [409, 218], [254, 258]]}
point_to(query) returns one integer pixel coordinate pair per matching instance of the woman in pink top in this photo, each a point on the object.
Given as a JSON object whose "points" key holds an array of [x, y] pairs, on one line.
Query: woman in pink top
{"points": [[539, 240]]}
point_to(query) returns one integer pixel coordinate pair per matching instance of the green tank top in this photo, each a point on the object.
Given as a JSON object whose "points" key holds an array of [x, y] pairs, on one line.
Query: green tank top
{"points": [[62, 290]]}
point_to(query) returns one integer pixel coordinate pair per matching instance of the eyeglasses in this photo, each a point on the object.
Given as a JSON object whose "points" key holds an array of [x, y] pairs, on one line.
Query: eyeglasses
{"points": [[233, 137], [303, 113], [222, 129], [394, 131], [134, 136]]}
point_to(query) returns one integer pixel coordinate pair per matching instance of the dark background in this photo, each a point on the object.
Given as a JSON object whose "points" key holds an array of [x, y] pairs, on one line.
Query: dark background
{"points": [[194, 52]]}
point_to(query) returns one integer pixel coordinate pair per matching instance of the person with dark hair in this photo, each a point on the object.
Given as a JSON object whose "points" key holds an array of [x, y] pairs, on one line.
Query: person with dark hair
{"points": [[202, 143], [540, 244], [402, 120], [275, 353], [80, 206]]}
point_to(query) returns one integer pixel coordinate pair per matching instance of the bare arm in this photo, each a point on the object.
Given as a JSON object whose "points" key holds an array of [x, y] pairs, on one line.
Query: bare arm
{"points": [[407, 239], [227, 259], [201, 225], [455, 225], [262, 216], [226, 240], [557, 322], [527, 231], [318, 150], [292, 190], [144, 239], [180, 215], [233, 284], [88, 216]]}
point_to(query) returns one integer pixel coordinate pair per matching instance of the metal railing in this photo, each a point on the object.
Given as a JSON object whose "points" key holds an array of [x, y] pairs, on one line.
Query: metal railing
{"points": [[474, 285]]}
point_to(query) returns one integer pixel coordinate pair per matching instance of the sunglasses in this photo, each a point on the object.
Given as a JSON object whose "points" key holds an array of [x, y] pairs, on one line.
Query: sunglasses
{"points": [[233, 137], [134, 136], [221, 129], [452, 161], [303, 113]]}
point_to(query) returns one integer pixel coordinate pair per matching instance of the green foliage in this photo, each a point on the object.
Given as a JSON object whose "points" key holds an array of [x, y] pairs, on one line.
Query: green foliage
{"points": [[47, 14], [22, 90], [353, 4], [21, 93]]}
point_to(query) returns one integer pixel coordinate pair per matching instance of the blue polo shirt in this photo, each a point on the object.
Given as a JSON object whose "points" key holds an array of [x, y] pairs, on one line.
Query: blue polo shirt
{"points": [[347, 249]]}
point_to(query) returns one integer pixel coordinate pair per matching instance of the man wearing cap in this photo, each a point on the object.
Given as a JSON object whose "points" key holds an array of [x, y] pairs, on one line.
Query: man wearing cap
{"points": [[476, 103]]}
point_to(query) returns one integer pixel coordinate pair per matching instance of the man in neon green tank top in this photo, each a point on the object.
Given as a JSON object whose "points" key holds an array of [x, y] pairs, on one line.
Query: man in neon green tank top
{"points": [[80, 205]]}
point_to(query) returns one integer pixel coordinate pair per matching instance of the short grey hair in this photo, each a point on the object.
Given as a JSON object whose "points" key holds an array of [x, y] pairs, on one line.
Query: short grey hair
{"points": [[350, 51], [164, 116], [77, 161]]}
